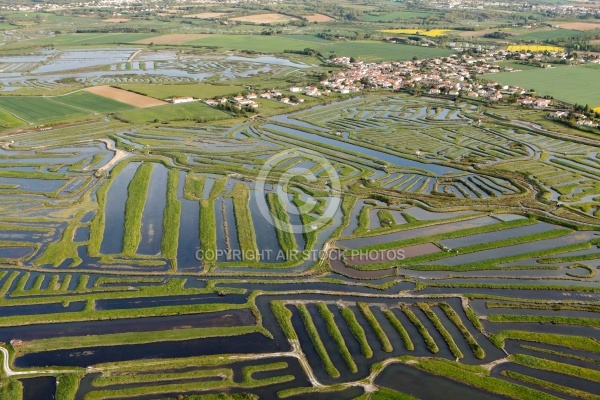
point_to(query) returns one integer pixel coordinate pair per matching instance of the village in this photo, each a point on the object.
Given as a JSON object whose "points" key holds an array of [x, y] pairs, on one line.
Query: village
{"points": [[454, 76]]}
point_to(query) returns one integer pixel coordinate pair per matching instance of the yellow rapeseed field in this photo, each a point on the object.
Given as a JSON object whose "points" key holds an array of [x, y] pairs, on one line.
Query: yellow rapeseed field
{"points": [[422, 32], [534, 47]]}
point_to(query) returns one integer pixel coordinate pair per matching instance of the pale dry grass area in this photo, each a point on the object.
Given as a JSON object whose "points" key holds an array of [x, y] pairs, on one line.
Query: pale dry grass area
{"points": [[117, 20], [318, 18], [206, 15], [174, 38], [580, 26], [264, 18], [133, 99]]}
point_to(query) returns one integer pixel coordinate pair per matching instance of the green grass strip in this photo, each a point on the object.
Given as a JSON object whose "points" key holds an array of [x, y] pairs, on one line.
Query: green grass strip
{"points": [[374, 324], [473, 318], [337, 337], [560, 368], [460, 373], [455, 318], [63, 249], [429, 342], [243, 222], [284, 318], [572, 342], [248, 381], [408, 344], [158, 377], [441, 329], [357, 331], [281, 220], [134, 207], [317, 342], [550, 385], [74, 342], [544, 319], [171, 218], [67, 386]]}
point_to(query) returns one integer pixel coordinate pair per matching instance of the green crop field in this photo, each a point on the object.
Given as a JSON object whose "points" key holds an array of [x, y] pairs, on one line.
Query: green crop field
{"points": [[7, 120], [377, 51], [92, 102], [551, 34], [202, 91], [576, 84], [175, 112], [275, 44], [86, 39], [39, 109], [366, 50]]}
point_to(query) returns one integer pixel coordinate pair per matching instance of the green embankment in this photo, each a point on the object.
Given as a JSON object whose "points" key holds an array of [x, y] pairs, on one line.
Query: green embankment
{"points": [[281, 220], [337, 337], [317, 342], [243, 222], [357, 331], [134, 207], [386, 345], [172, 215]]}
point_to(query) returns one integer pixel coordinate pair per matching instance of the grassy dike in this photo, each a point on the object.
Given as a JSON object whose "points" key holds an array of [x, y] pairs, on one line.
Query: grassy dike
{"points": [[408, 344], [479, 378], [11, 389], [386, 345], [337, 337], [243, 222], [317, 342], [550, 385], [57, 252], [171, 217], [477, 350], [134, 207], [281, 220], [67, 386], [357, 331], [74, 342], [284, 318], [429, 342], [208, 224], [570, 341], [441, 329]]}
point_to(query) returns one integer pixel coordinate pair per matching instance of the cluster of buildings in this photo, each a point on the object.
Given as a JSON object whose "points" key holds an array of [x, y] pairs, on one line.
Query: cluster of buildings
{"points": [[311, 91], [580, 119], [453, 75], [275, 94], [239, 101], [581, 10]]}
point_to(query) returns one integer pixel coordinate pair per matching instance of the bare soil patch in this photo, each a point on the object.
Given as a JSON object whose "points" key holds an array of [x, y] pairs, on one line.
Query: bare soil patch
{"points": [[580, 26], [175, 38], [133, 99], [206, 15], [264, 18], [318, 18]]}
